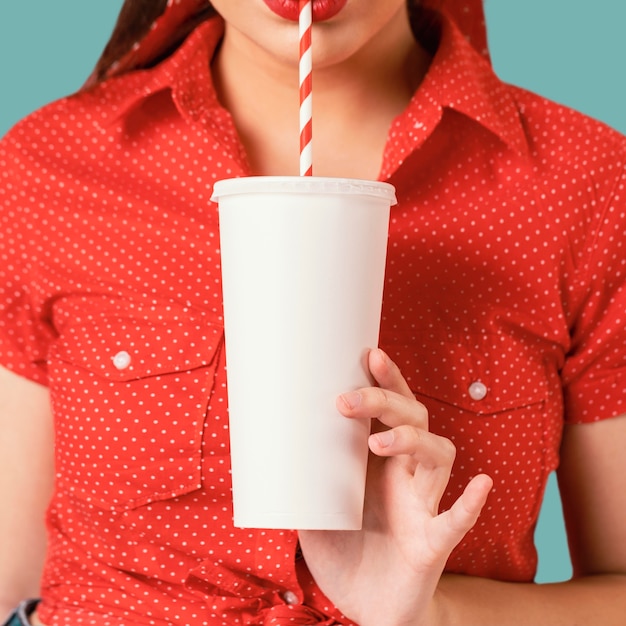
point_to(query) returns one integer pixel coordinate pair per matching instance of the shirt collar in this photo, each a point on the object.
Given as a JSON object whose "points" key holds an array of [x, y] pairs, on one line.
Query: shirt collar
{"points": [[186, 73], [460, 78]]}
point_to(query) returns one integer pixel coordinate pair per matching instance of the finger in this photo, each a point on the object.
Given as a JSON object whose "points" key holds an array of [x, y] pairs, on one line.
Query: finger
{"points": [[452, 525], [387, 374], [429, 450], [391, 408], [427, 457]]}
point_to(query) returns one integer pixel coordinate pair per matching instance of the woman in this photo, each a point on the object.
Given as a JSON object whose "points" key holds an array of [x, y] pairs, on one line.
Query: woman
{"points": [[503, 303]]}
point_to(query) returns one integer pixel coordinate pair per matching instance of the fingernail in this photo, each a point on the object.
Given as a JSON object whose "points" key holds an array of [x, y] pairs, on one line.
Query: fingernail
{"points": [[385, 438], [383, 356], [352, 399]]}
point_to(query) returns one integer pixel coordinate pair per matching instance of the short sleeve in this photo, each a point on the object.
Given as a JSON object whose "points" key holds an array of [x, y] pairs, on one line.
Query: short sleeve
{"points": [[24, 331], [594, 374]]}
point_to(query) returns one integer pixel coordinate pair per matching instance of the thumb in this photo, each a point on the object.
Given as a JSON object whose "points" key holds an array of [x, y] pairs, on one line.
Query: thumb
{"points": [[452, 525]]}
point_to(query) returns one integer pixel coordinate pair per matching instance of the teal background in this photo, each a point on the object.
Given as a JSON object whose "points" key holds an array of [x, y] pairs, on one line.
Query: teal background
{"points": [[572, 51]]}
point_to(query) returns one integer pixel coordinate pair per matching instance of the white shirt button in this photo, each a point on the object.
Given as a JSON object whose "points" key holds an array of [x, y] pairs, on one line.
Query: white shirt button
{"points": [[290, 597], [477, 390], [121, 360]]}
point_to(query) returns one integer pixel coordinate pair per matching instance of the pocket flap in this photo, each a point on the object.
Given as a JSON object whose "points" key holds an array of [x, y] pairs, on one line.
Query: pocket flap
{"points": [[123, 348], [484, 376]]}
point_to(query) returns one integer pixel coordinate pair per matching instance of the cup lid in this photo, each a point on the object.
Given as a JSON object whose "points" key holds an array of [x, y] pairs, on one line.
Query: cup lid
{"points": [[303, 184]]}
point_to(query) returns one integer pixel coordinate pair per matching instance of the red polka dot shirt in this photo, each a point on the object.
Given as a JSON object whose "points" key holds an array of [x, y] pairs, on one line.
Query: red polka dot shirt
{"points": [[504, 306]]}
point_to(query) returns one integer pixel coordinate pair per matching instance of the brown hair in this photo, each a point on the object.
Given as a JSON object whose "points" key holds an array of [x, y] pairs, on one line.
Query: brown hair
{"points": [[133, 22]]}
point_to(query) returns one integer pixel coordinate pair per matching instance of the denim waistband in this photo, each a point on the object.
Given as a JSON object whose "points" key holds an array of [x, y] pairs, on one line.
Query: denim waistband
{"points": [[20, 616]]}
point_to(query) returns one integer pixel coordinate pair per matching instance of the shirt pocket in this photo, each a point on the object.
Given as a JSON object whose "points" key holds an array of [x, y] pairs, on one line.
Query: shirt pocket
{"points": [[492, 396], [474, 376], [130, 398]]}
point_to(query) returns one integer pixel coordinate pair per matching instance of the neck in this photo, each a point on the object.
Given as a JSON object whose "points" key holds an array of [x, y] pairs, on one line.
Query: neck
{"points": [[355, 100]]}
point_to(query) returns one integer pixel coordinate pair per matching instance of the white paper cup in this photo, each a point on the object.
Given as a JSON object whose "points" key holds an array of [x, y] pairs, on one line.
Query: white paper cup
{"points": [[303, 261]]}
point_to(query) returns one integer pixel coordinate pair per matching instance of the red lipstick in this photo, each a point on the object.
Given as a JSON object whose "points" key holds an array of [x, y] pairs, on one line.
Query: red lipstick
{"points": [[322, 9]]}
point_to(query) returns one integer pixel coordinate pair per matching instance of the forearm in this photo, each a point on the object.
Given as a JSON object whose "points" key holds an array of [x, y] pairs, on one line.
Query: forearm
{"points": [[470, 601], [23, 552], [22, 530], [26, 482]]}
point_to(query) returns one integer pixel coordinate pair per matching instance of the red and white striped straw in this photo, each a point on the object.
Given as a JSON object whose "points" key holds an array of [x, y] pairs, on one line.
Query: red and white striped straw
{"points": [[306, 92]]}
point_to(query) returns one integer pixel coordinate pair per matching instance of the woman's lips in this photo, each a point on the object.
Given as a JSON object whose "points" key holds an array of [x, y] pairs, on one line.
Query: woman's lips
{"points": [[322, 9]]}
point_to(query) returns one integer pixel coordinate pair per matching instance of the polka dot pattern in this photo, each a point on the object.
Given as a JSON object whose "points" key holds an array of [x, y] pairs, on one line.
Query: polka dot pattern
{"points": [[503, 306]]}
